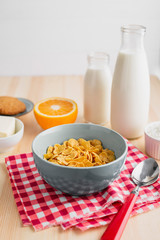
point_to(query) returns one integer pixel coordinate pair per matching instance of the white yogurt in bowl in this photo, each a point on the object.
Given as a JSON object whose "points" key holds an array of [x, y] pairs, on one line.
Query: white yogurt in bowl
{"points": [[153, 130], [152, 139]]}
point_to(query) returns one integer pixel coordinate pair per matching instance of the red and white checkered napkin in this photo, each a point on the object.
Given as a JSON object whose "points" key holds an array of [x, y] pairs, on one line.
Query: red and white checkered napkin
{"points": [[43, 206]]}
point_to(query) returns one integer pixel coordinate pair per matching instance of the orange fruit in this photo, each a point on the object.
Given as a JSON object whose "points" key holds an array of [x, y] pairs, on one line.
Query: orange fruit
{"points": [[55, 111]]}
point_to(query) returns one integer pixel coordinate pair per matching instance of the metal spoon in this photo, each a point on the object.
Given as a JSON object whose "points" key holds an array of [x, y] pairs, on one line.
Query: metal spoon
{"points": [[144, 174]]}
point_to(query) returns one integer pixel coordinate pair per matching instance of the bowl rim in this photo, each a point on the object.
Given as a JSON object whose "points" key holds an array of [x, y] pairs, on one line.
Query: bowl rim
{"points": [[15, 134], [82, 168]]}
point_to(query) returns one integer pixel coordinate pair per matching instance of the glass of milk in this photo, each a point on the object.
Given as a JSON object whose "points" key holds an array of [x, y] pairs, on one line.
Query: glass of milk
{"points": [[130, 92], [97, 89]]}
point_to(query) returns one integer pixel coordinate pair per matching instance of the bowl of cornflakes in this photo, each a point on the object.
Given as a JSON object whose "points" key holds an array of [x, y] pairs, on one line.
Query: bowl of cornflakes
{"points": [[80, 158]]}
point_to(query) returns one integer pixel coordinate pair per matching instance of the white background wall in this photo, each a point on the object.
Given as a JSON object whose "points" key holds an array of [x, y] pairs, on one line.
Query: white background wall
{"points": [[46, 37]]}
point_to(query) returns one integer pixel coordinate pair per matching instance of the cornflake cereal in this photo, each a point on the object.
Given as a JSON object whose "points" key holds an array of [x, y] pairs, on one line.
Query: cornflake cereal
{"points": [[79, 153]]}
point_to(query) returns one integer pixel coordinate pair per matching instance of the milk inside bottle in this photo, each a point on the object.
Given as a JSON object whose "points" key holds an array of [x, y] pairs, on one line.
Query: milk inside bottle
{"points": [[97, 89], [130, 92]]}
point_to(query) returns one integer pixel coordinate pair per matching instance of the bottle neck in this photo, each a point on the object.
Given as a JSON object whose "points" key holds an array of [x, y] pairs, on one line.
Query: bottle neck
{"points": [[98, 60], [132, 38]]}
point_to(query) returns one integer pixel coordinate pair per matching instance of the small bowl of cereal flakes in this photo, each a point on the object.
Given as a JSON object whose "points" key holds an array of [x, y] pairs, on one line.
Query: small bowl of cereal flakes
{"points": [[80, 158]]}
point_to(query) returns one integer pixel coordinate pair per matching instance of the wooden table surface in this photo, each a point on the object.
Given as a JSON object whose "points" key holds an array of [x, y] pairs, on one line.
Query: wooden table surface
{"points": [[145, 226]]}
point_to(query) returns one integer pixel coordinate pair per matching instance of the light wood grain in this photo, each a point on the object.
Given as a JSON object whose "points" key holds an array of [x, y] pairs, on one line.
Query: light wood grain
{"points": [[142, 227]]}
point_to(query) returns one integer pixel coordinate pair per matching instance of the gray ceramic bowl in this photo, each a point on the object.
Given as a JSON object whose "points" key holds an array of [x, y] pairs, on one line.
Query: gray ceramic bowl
{"points": [[79, 181]]}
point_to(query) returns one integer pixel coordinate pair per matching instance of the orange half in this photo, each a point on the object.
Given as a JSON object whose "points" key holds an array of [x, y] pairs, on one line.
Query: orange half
{"points": [[55, 111]]}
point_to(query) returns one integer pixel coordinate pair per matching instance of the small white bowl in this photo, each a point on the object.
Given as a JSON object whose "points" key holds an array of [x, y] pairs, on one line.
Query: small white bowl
{"points": [[152, 139], [6, 143]]}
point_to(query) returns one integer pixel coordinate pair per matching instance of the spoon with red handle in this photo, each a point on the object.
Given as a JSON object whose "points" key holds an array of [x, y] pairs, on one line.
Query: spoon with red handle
{"points": [[144, 174]]}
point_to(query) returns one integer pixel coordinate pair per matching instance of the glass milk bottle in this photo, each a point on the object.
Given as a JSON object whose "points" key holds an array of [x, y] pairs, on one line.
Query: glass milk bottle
{"points": [[97, 89], [130, 92]]}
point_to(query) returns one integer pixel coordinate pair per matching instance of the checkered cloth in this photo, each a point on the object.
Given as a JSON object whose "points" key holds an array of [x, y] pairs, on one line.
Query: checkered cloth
{"points": [[42, 206]]}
